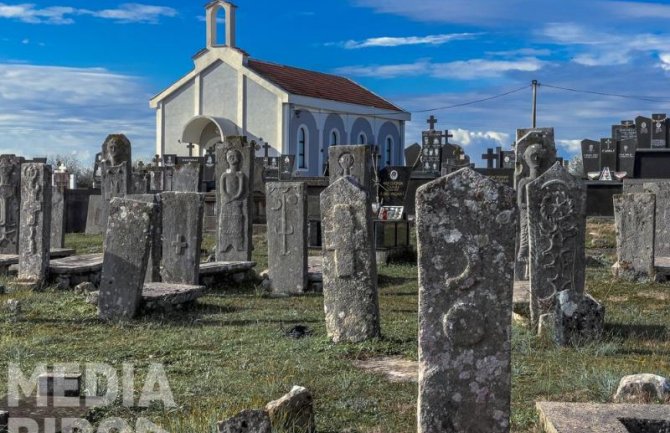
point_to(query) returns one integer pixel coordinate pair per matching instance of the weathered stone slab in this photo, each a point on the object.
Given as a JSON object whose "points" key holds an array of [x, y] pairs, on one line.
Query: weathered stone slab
{"points": [[182, 236], [57, 218], [579, 319], [634, 221], [10, 203], [286, 215], [662, 231], [35, 236], [126, 253], [155, 257], [76, 264], [557, 225], [140, 183], [234, 173], [223, 268], [116, 171], [168, 295], [351, 160], [349, 268], [603, 418], [466, 276], [535, 152], [94, 217], [187, 178], [643, 388]]}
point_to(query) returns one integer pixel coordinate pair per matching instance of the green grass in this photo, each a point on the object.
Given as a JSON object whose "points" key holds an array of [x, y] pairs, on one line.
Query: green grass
{"points": [[228, 353]]}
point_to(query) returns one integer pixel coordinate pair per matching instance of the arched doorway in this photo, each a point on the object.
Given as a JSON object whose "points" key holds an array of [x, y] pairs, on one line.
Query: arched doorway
{"points": [[206, 131]]}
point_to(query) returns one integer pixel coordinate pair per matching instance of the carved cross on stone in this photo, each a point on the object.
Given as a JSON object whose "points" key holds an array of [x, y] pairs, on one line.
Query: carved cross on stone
{"points": [[341, 241], [432, 121], [179, 245]]}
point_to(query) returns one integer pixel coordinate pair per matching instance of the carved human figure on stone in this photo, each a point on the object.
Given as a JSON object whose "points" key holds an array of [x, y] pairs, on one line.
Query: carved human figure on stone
{"points": [[534, 156], [346, 162], [232, 195]]}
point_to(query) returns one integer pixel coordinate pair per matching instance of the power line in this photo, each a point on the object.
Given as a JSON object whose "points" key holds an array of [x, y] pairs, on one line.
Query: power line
{"points": [[476, 101], [593, 92]]}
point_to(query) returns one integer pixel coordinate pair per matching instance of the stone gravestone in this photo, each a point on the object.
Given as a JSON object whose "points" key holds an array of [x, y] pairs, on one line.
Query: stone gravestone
{"points": [[234, 173], [507, 159], [126, 253], [626, 156], [393, 183], [351, 160], [57, 217], [287, 236], [453, 158], [187, 177], [116, 171], [535, 152], [94, 223], [634, 222], [465, 257], [153, 274], [643, 130], [349, 267], [591, 156], [10, 203], [182, 236], [140, 183], [662, 232], [608, 154], [412, 155], [156, 179], [35, 237], [659, 131], [557, 225]]}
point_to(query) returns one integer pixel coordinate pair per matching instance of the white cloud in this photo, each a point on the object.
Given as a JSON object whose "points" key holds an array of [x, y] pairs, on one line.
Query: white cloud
{"points": [[665, 61], [125, 13], [571, 146], [459, 70], [640, 10], [389, 41], [523, 52], [51, 109]]}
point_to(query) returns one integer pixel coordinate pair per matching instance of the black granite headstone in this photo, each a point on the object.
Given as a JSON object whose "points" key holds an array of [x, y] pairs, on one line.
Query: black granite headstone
{"points": [[453, 158], [412, 155], [169, 160], [591, 156], [652, 164], [393, 182], [627, 156], [209, 168], [183, 160], [643, 129], [659, 131], [608, 154], [508, 159]]}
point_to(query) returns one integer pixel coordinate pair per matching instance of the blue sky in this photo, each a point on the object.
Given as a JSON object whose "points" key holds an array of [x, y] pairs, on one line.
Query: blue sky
{"points": [[72, 71]]}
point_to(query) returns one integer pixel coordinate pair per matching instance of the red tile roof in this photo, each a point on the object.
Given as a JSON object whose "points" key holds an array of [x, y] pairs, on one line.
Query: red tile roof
{"points": [[318, 85]]}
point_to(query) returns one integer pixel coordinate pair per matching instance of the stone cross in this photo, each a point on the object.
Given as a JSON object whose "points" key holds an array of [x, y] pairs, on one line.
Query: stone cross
{"points": [[182, 234], [126, 254], [349, 265], [266, 149], [35, 235], [557, 224], [286, 216], [234, 204], [431, 122], [634, 222], [465, 258]]}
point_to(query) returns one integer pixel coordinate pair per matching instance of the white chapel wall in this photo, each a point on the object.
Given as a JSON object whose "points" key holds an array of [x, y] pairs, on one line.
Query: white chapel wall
{"points": [[220, 92], [261, 114], [178, 110]]}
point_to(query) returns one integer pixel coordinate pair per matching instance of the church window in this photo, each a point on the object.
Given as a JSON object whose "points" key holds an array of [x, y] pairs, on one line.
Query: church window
{"points": [[362, 138], [302, 148], [334, 138], [388, 151]]}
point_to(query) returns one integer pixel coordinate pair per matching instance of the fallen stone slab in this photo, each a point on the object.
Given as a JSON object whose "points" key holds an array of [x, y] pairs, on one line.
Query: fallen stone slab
{"points": [[248, 421], [168, 296], [603, 418], [293, 413], [395, 368], [70, 271], [212, 273]]}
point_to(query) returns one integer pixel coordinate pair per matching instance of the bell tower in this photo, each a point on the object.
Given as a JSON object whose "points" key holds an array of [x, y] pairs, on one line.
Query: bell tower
{"points": [[212, 10]]}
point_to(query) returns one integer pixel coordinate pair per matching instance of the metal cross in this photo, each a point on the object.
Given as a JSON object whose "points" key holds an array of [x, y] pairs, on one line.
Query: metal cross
{"points": [[190, 147], [179, 245], [266, 149], [490, 156], [432, 121]]}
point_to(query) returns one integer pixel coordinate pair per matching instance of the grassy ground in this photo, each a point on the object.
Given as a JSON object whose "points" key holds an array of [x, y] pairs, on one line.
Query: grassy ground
{"points": [[229, 353]]}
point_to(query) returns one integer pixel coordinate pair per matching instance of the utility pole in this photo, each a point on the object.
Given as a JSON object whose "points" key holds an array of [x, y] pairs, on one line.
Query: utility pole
{"points": [[534, 103]]}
